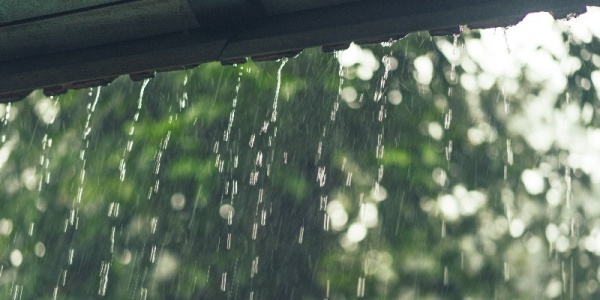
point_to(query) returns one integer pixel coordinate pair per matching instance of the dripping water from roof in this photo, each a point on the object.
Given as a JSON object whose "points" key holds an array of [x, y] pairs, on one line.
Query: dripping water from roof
{"points": [[129, 146]]}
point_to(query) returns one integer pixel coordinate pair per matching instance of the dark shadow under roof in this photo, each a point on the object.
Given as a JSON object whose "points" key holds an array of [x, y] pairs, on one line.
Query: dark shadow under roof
{"points": [[69, 46]]}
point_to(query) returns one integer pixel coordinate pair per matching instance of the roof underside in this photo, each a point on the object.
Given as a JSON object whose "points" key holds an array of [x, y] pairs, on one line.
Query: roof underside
{"points": [[60, 47]]}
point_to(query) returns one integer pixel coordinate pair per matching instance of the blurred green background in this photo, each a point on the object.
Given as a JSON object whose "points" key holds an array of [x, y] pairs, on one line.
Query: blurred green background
{"points": [[463, 167]]}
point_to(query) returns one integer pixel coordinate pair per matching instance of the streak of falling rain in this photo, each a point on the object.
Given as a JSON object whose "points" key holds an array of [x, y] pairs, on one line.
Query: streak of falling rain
{"points": [[124, 157], [17, 291], [113, 209], [71, 255], [254, 268], [143, 293], [224, 281], [163, 145], [448, 151], [508, 212], [263, 218], [386, 60], [574, 226], [277, 90], [446, 276], [263, 159], [323, 203], [454, 56], [379, 150], [360, 287], [112, 240], [153, 225], [569, 189], [336, 104], [443, 231], [301, 235], [509, 152], [4, 120], [227, 132], [506, 271], [45, 162], [86, 132], [184, 97], [63, 277], [448, 119], [320, 149], [505, 100], [505, 34], [326, 222], [104, 271], [152, 256], [321, 176]]}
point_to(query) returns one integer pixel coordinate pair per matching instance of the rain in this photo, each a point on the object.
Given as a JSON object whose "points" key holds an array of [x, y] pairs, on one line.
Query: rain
{"points": [[461, 166]]}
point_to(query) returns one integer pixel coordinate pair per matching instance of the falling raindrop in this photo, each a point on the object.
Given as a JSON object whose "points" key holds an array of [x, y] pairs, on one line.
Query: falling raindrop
{"points": [[454, 56], [509, 153], [301, 235], [445, 275], [104, 271], [123, 163], [360, 287], [223, 281], [447, 119]]}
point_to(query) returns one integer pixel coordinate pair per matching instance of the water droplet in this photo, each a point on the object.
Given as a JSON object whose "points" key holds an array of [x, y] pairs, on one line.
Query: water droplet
{"points": [[321, 176], [251, 143], [71, 255], [360, 287], [445, 275], [443, 228], [449, 151], [278, 88], [254, 231], [447, 119], [301, 235], [104, 270], [223, 281], [153, 254], [153, 225]]}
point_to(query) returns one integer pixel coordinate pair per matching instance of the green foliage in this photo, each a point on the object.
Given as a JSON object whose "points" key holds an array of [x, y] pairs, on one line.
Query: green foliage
{"points": [[201, 198]]}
